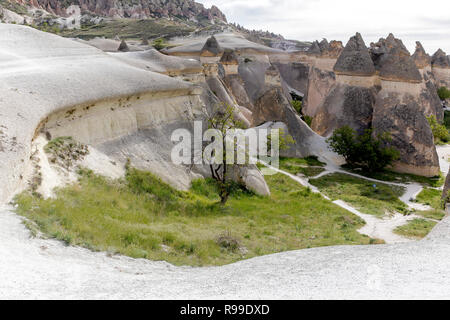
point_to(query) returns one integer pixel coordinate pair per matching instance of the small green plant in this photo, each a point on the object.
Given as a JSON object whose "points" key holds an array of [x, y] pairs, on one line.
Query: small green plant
{"points": [[159, 44], [308, 120], [297, 105], [367, 151], [440, 132], [443, 93]]}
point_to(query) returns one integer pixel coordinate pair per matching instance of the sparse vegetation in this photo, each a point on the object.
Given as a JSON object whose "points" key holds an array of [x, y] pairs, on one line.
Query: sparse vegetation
{"points": [[308, 120], [143, 217], [417, 228], [431, 197], [160, 44], [65, 151], [308, 167], [297, 105], [131, 29], [368, 197], [390, 176], [440, 132], [365, 150]]}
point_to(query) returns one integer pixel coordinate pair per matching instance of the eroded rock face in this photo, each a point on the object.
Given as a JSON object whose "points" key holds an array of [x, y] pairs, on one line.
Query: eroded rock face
{"points": [[139, 9], [296, 75], [345, 105], [440, 59], [441, 68], [319, 85], [420, 57], [410, 132]]}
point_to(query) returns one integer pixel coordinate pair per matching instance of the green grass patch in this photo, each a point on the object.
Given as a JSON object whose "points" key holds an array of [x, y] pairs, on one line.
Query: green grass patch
{"points": [[416, 229], [390, 176], [309, 167], [143, 217], [431, 214], [362, 194], [131, 29], [430, 197]]}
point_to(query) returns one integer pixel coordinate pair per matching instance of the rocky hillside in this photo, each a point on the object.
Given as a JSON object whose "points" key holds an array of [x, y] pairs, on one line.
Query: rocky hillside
{"points": [[139, 9]]}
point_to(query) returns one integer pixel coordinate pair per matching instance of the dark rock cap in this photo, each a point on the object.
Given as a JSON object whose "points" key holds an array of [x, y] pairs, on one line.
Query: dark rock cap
{"points": [[420, 57], [229, 57], [211, 48], [324, 45], [440, 59], [355, 58], [314, 49], [123, 47], [393, 61]]}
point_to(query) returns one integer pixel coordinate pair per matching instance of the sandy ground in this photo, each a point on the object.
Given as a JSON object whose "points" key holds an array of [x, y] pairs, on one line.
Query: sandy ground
{"points": [[33, 268]]}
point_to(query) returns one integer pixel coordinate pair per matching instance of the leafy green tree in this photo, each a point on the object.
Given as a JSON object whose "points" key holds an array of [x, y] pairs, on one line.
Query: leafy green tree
{"points": [[368, 151]]}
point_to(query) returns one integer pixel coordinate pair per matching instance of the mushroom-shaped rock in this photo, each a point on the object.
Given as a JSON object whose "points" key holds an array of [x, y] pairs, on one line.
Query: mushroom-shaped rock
{"points": [[123, 47], [420, 57], [324, 45], [314, 49], [355, 59], [211, 48], [440, 59]]}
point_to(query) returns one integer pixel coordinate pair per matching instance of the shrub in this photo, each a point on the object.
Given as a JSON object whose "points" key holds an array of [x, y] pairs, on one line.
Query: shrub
{"points": [[297, 105], [159, 44], [443, 93], [308, 120], [440, 132], [367, 151]]}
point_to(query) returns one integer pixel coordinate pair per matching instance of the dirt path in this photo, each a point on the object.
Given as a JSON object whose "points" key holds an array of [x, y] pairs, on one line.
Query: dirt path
{"points": [[377, 228]]}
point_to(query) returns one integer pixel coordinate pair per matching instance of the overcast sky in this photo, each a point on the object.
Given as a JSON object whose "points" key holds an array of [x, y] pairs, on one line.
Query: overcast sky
{"points": [[410, 20]]}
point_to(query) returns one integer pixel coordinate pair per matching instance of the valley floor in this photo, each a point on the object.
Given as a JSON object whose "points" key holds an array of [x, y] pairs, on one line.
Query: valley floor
{"points": [[40, 269]]}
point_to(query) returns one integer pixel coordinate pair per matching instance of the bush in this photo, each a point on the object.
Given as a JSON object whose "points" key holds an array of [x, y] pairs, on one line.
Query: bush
{"points": [[159, 44], [440, 132], [443, 93], [366, 150], [308, 120]]}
